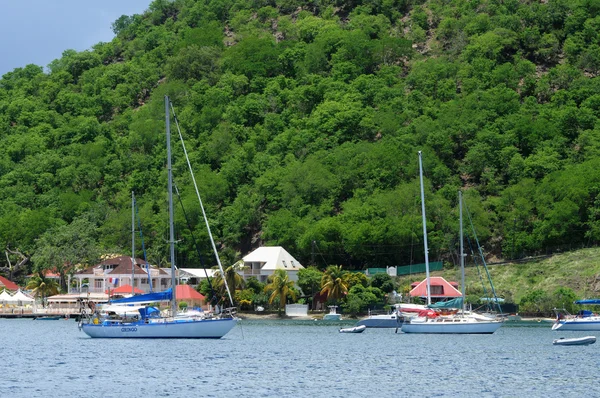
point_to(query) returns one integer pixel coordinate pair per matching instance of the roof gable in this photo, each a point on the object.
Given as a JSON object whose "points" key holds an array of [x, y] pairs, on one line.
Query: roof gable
{"points": [[273, 257], [443, 288]]}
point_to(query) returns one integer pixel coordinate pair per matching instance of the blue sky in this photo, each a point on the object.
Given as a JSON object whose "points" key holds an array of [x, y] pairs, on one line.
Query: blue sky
{"points": [[38, 31]]}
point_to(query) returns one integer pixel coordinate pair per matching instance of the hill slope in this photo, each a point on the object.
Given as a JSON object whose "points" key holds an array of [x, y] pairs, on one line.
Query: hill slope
{"points": [[537, 285], [303, 121]]}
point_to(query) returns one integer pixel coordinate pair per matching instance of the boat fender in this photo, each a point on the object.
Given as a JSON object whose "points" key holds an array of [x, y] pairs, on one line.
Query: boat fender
{"points": [[95, 321]]}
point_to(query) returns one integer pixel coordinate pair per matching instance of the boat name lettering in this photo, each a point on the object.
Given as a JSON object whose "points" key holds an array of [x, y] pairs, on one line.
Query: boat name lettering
{"points": [[128, 329]]}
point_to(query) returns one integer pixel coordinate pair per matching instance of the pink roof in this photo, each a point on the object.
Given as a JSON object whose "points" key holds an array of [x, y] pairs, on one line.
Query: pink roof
{"points": [[47, 274], [8, 284], [186, 292], [124, 289], [439, 288]]}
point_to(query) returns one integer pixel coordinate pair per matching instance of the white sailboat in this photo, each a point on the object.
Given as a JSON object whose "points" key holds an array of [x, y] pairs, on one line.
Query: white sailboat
{"points": [[146, 321], [583, 321], [460, 323]]}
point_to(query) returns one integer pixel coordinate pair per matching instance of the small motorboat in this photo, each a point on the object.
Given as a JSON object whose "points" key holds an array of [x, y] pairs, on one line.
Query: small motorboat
{"points": [[333, 315], [355, 329], [47, 318], [575, 341]]}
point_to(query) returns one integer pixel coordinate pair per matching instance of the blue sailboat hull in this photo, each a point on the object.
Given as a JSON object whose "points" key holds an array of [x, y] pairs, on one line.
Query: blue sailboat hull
{"points": [[161, 329]]}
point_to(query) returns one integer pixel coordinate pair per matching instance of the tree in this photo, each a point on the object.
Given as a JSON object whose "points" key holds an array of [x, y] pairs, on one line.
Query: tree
{"points": [[333, 283], [12, 269], [360, 297], [234, 280], [309, 279], [60, 248], [280, 287], [536, 301], [565, 297], [253, 283], [42, 287], [384, 282]]}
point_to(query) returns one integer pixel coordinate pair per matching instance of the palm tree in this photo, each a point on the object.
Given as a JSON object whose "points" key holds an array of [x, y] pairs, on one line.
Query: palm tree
{"points": [[234, 279], [280, 287], [40, 286], [333, 282]]}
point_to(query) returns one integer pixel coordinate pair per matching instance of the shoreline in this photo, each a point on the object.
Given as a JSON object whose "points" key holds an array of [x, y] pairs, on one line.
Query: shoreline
{"points": [[271, 316]]}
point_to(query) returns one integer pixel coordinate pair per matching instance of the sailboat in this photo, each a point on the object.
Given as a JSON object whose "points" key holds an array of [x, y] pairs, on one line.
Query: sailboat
{"points": [[462, 322], [146, 321]]}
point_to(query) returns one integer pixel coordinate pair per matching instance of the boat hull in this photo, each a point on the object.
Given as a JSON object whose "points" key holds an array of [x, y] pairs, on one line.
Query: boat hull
{"points": [[441, 327], [183, 329], [381, 321], [578, 324]]}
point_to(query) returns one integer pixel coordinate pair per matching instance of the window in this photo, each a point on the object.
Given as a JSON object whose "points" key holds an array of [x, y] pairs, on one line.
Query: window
{"points": [[98, 283], [437, 290]]}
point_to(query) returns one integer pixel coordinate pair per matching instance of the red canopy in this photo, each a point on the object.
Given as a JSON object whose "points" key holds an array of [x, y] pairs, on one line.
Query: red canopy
{"points": [[124, 289]]}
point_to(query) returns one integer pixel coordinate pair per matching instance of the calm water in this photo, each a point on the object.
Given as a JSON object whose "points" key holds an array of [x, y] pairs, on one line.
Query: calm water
{"points": [[294, 359]]}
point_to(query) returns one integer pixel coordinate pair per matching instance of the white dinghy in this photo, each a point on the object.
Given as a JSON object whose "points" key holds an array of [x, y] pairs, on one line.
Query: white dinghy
{"points": [[355, 329], [575, 341]]}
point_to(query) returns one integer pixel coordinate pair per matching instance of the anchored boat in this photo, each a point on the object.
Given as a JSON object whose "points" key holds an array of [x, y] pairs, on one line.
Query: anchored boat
{"points": [[147, 321], [575, 341], [355, 329]]}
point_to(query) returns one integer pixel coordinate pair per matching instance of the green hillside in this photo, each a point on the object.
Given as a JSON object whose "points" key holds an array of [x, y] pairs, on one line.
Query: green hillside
{"points": [[303, 120]]}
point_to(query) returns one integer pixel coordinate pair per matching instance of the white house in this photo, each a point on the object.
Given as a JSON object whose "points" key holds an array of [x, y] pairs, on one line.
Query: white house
{"points": [[117, 271], [262, 262], [193, 276]]}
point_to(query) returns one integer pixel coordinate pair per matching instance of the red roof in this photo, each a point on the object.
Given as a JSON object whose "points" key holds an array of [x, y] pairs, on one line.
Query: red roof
{"points": [[439, 288], [124, 289], [186, 292], [8, 284], [47, 273]]}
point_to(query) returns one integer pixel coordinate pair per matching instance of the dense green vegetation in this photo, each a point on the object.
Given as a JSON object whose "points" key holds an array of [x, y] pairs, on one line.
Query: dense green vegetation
{"points": [[303, 120]]}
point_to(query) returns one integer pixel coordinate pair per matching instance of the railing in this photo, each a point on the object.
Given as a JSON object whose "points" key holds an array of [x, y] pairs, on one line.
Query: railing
{"points": [[252, 272]]}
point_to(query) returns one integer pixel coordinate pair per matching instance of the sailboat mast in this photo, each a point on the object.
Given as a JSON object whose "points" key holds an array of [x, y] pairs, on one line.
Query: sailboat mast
{"points": [[462, 252], [212, 241], [170, 192], [424, 231], [132, 241]]}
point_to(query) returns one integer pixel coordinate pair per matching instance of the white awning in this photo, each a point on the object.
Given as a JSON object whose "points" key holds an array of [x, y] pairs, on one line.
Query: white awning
{"points": [[19, 296], [5, 297]]}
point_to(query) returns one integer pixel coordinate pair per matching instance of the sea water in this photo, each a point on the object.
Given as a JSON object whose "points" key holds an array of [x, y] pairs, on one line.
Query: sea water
{"points": [[284, 358]]}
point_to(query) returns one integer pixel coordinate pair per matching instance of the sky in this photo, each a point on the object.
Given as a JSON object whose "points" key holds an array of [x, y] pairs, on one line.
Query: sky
{"points": [[38, 31]]}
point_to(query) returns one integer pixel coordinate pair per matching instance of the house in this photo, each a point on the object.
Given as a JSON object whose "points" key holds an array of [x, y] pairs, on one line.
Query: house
{"points": [[193, 276], [439, 288], [190, 296], [7, 284], [48, 274], [117, 271], [262, 262]]}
